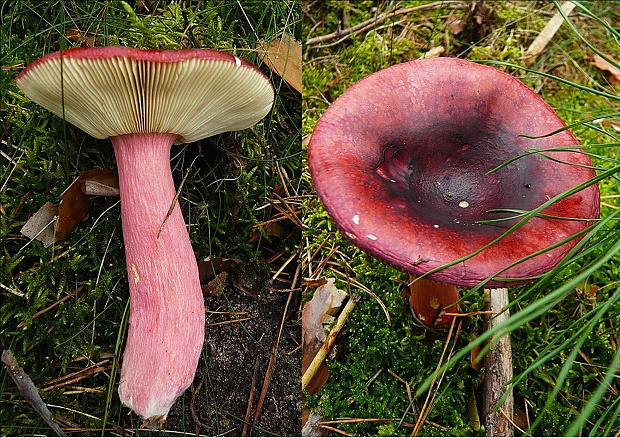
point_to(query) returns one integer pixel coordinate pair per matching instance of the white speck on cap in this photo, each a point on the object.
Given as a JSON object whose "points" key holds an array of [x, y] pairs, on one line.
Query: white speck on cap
{"points": [[371, 236], [463, 204], [238, 61], [356, 219]]}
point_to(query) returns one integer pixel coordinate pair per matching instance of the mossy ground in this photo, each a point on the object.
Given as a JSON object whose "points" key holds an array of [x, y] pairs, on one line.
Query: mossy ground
{"points": [[224, 199], [63, 309], [561, 356]]}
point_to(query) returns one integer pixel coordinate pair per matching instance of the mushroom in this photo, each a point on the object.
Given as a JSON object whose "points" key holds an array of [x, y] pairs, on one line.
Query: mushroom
{"points": [[408, 164], [402, 162], [145, 101]]}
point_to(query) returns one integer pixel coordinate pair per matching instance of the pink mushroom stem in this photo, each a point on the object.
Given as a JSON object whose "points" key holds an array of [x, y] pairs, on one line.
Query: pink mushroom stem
{"points": [[166, 314]]}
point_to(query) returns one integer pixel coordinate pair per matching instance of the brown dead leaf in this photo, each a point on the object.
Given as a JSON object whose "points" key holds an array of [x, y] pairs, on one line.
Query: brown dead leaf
{"points": [[276, 230], [283, 56], [74, 34], [521, 419], [475, 24], [477, 359], [602, 64], [54, 223], [40, 226], [75, 203], [215, 287], [321, 376], [211, 267], [457, 26], [311, 282]]}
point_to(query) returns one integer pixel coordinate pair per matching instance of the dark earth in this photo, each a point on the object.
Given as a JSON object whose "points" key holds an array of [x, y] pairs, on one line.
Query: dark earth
{"points": [[233, 351]]}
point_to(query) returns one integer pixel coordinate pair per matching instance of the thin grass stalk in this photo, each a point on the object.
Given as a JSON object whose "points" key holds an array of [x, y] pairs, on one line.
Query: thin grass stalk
{"points": [[588, 409], [534, 310]]}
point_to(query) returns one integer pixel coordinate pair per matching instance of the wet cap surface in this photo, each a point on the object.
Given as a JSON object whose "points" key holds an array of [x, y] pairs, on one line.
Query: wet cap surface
{"points": [[401, 163]]}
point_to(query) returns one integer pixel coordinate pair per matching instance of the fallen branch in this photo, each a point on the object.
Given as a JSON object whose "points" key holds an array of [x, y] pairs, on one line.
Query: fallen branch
{"points": [[497, 370], [381, 18], [547, 33], [29, 391]]}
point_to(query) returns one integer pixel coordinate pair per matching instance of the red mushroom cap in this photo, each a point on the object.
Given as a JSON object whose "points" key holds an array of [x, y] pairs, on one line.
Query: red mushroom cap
{"points": [[401, 162]]}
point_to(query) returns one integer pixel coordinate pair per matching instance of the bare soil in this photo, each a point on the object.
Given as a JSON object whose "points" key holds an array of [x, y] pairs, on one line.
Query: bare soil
{"points": [[231, 374]]}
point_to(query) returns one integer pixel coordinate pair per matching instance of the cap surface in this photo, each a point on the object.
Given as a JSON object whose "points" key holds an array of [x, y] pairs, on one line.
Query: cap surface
{"points": [[401, 163], [111, 91]]}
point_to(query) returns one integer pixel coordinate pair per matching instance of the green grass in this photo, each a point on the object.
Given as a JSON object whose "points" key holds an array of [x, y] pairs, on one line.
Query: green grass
{"points": [[228, 178], [564, 343]]}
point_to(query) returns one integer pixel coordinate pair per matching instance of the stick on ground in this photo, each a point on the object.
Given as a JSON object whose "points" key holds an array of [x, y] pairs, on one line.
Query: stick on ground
{"points": [[28, 390], [498, 369], [329, 341], [547, 33]]}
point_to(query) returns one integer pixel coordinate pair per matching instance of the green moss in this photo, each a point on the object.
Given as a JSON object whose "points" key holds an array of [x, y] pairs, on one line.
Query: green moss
{"points": [[360, 386], [223, 195]]}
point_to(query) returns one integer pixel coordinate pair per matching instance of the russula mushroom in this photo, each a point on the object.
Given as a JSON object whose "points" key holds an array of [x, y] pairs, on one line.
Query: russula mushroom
{"points": [[145, 101], [403, 162]]}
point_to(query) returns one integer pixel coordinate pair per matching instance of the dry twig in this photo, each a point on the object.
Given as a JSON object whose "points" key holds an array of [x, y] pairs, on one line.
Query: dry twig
{"points": [[50, 307], [75, 377], [430, 397], [361, 27], [248, 411], [272, 359], [29, 391], [329, 341]]}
